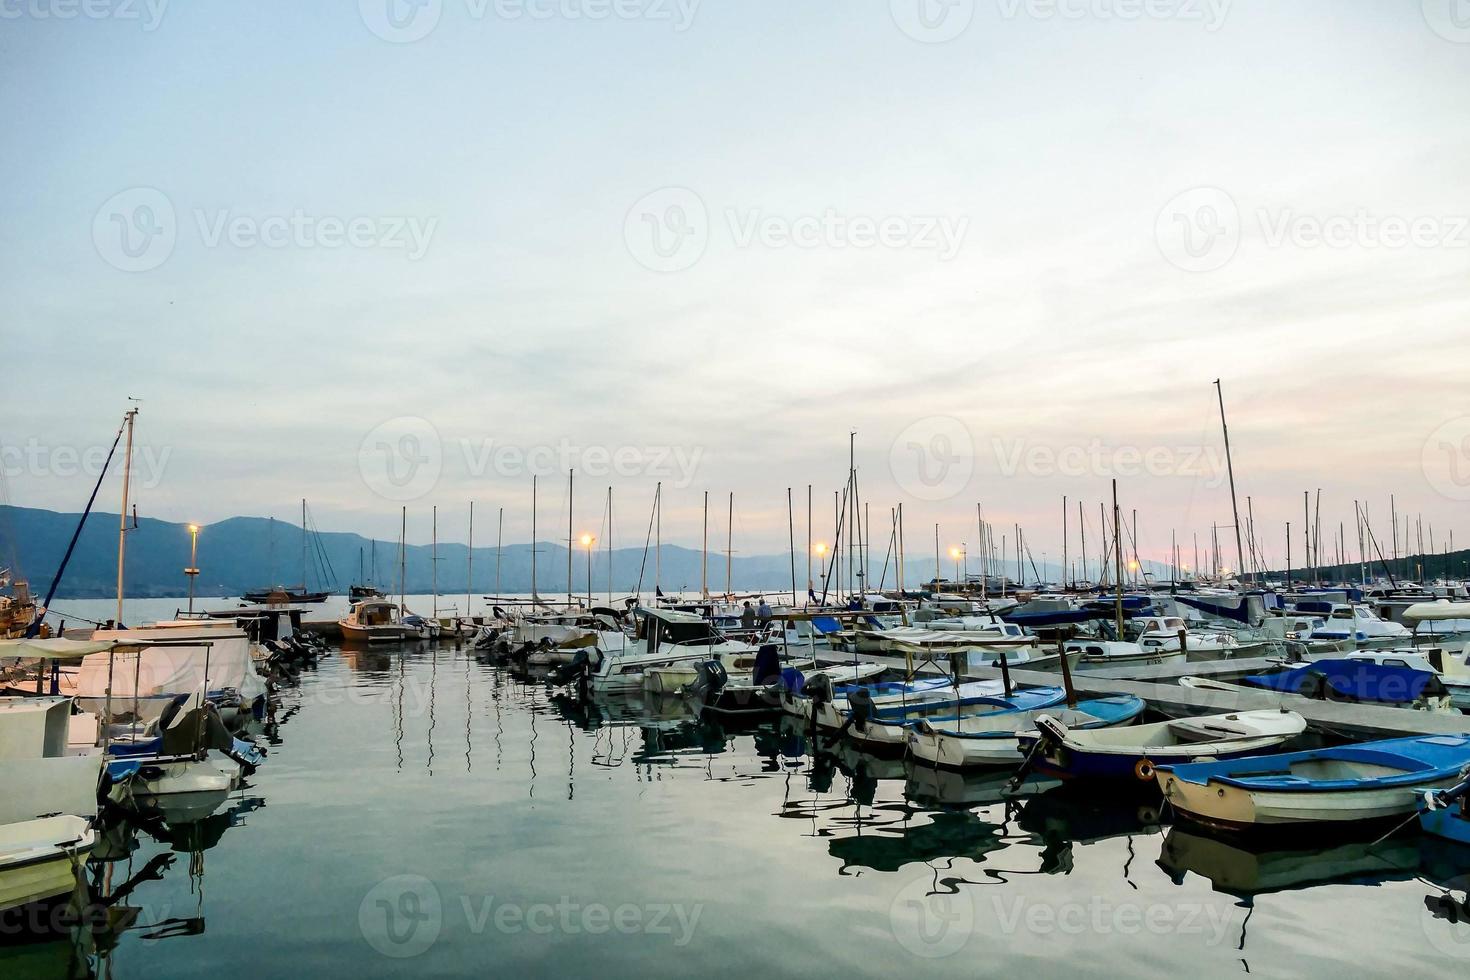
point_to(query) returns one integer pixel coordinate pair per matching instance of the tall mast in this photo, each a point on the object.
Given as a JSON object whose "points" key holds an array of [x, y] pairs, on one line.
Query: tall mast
{"points": [[570, 537], [809, 583], [790, 538], [434, 557], [533, 538], [499, 537], [704, 560], [658, 545], [403, 561], [1118, 557], [936, 557], [303, 544], [730, 544], [1230, 470], [609, 546], [469, 572], [1064, 542], [122, 521], [1082, 526]]}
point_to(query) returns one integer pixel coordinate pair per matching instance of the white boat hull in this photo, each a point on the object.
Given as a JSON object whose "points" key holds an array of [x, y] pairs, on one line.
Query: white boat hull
{"points": [[1234, 806]]}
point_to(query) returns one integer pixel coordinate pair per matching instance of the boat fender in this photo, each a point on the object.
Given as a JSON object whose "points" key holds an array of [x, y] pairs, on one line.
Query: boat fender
{"points": [[1144, 770]]}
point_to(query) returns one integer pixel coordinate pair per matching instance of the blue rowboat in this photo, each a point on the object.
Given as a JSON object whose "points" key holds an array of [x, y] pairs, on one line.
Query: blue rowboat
{"points": [[1132, 754], [888, 727], [1344, 784], [1446, 813], [995, 739]]}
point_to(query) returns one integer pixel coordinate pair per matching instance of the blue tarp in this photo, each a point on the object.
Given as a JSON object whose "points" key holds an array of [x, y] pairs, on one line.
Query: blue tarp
{"points": [[1058, 618], [826, 624], [1355, 680]]}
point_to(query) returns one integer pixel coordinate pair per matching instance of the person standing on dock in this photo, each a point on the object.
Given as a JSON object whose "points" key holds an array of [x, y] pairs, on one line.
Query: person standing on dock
{"points": [[764, 613], [747, 617]]}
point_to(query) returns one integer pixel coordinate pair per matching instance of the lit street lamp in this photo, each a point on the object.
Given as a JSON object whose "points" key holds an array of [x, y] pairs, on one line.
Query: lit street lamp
{"points": [[193, 570]]}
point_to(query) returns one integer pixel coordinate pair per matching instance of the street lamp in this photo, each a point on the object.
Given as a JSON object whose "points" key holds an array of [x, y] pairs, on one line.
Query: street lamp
{"points": [[587, 542], [193, 570], [955, 554]]}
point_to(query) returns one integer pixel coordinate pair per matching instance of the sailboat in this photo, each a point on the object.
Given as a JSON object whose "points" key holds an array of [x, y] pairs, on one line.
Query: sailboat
{"points": [[282, 594], [17, 609]]}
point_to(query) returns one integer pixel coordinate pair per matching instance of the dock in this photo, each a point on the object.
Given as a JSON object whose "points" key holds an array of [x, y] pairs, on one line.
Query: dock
{"points": [[1157, 685]]}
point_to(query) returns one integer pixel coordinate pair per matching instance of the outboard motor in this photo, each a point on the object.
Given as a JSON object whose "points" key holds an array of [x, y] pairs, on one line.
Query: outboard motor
{"points": [[710, 678], [767, 664], [860, 709], [579, 669]]}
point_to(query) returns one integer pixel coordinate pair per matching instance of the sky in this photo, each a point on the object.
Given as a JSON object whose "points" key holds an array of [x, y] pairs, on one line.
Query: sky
{"points": [[388, 254]]}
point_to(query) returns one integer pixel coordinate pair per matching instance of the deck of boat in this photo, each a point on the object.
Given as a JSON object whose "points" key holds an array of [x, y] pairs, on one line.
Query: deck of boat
{"points": [[1157, 685]]}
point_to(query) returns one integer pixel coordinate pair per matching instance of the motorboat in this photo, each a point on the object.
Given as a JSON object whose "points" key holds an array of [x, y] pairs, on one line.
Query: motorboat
{"points": [[1357, 681], [1133, 754], [376, 621], [662, 637], [887, 729], [1345, 784], [41, 858], [1355, 626], [1113, 653], [994, 739]]}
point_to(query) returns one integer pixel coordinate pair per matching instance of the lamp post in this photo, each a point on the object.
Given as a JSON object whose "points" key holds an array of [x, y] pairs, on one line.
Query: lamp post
{"points": [[955, 554], [587, 542], [193, 570]]}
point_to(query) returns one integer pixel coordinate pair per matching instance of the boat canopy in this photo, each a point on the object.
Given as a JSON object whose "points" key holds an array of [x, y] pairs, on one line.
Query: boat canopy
{"points": [[1060, 617], [58, 648], [1428, 612], [1239, 612]]}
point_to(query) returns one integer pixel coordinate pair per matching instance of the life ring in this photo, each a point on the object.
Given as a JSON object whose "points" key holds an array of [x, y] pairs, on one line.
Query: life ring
{"points": [[1144, 771]]}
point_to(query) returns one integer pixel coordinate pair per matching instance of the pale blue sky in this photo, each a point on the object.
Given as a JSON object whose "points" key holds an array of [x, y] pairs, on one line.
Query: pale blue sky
{"points": [[521, 146]]}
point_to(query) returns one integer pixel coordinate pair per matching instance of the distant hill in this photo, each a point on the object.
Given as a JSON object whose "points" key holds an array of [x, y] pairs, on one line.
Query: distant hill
{"points": [[244, 553]]}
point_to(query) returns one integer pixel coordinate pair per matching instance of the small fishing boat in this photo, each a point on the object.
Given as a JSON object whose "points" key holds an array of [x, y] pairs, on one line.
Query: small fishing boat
{"points": [[1135, 753], [1114, 653], [39, 859], [373, 621], [877, 729], [1341, 785], [828, 707], [1446, 813], [994, 739], [752, 694]]}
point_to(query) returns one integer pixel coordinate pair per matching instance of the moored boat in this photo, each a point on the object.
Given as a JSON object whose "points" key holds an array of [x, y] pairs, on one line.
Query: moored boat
{"points": [[1133, 754], [994, 739], [1346, 784]]}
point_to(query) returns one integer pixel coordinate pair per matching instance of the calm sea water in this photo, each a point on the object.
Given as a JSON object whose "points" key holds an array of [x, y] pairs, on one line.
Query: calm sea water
{"points": [[422, 811]]}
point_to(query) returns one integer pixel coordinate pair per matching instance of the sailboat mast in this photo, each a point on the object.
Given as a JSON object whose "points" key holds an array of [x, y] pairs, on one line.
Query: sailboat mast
{"points": [[704, 559], [122, 520], [533, 537], [1230, 471], [434, 557], [658, 541], [499, 538], [570, 537], [402, 562], [303, 544], [1064, 542], [730, 544], [469, 572], [790, 540], [1118, 550], [609, 546]]}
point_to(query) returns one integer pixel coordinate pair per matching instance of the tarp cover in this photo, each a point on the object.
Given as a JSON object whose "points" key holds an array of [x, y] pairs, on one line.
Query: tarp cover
{"points": [[53, 649], [1239, 612], [173, 670], [1356, 680]]}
